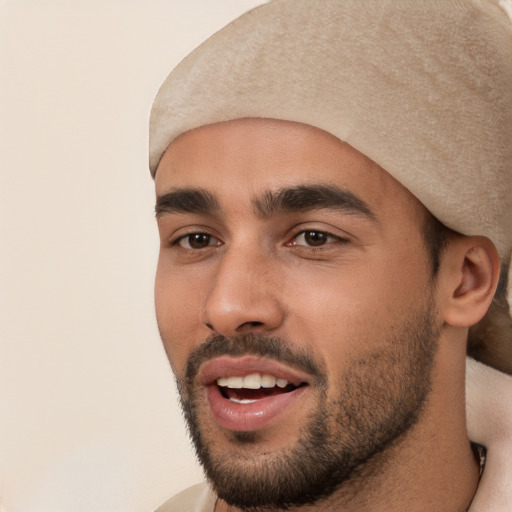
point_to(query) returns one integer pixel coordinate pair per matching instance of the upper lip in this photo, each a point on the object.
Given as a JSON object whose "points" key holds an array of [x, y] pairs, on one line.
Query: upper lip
{"points": [[227, 366]]}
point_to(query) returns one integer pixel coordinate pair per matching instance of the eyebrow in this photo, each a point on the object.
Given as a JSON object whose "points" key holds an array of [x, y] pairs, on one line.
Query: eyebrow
{"points": [[186, 200], [304, 198], [301, 198]]}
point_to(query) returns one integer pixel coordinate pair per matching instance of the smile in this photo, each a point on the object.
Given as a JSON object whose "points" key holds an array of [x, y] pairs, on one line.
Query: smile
{"points": [[249, 393], [253, 387]]}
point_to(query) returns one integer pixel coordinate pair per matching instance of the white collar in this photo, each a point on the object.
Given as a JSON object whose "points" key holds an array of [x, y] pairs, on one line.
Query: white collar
{"points": [[489, 419]]}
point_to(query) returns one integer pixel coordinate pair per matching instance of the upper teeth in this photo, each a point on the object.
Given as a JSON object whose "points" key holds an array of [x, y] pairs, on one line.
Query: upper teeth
{"points": [[252, 381]]}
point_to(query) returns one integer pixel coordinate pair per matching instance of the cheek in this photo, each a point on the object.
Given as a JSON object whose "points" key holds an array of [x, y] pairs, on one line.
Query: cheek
{"points": [[177, 306], [332, 295], [347, 311], [334, 312]]}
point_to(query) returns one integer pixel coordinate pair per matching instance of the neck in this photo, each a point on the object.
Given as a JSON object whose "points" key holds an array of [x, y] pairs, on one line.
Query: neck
{"points": [[431, 467]]}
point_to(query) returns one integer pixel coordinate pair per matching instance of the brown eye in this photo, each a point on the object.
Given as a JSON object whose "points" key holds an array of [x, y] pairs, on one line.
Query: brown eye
{"points": [[315, 238], [197, 241]]}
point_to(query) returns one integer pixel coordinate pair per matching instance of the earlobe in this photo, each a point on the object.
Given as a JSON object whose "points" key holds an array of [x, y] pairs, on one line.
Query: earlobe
{"points": [[474, 267]]}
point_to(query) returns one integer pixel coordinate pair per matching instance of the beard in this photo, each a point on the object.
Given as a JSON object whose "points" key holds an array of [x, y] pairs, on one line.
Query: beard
{"points": [[373, 403]]}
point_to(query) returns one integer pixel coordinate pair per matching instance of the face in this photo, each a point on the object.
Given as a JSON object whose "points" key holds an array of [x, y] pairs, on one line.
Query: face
{"points": [[295, 301]]}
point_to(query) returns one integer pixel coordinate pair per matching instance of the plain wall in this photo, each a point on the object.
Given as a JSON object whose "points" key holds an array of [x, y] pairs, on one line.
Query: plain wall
{"points": [[89, 420], [88, 413]]}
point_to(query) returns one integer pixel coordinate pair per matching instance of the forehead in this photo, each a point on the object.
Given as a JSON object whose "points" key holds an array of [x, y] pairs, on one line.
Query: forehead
{"points": [[251, 156]]}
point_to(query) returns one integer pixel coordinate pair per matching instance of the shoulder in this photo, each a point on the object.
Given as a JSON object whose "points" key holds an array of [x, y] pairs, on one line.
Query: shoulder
{"points": [[489, 412], [198, 498]]}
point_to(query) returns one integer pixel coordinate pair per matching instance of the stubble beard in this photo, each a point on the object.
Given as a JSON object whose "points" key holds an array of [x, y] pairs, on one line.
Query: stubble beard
{"points": [[380, 398]]}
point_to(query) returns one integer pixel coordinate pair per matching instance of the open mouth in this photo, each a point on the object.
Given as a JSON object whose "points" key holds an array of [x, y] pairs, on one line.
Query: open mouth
{"points": [[248, 393], [254, 387]]}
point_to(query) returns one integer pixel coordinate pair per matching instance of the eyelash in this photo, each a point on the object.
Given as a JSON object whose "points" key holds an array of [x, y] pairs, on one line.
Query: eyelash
{"points": [[324, 237], [189, 236]]}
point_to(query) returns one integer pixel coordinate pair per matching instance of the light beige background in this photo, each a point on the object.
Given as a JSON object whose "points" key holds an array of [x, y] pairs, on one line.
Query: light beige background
{"points": [[88, 413]]}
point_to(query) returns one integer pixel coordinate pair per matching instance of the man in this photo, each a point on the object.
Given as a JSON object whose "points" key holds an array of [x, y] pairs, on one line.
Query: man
{"points": [[333, 187]]}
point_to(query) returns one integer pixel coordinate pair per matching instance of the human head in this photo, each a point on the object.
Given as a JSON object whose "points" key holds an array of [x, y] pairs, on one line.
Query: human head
{"points": [[347, 69], [360, 133], [321, 327]]}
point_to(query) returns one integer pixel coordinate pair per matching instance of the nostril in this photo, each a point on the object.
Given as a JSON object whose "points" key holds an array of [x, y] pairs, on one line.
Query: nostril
{"points": [[245, 326], [250, 325]]}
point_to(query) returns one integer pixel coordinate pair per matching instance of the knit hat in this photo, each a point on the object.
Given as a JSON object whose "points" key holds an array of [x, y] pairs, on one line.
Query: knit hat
{"points": [[423, 88]]}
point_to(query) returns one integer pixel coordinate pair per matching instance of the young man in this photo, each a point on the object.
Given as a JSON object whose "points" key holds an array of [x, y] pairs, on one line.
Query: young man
{"points": [[333, 185]]}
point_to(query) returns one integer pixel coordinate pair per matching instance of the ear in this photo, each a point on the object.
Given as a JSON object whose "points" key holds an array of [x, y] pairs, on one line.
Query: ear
{"points": [[471, 268]]}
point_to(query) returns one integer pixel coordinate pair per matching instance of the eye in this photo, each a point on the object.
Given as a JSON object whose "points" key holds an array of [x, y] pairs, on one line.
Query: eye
{"points": [[195, 241], [312, 238]]}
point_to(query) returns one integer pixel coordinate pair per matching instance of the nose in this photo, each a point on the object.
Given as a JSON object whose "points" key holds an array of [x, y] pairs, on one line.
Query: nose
{"points": [[243, 296]]}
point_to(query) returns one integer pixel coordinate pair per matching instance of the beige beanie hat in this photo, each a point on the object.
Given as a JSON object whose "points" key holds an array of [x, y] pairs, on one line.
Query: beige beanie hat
{"points": [[423, 88]]}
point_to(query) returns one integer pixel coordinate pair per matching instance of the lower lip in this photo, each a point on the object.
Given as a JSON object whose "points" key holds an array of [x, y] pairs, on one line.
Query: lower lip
{"points": [[253, 416]]}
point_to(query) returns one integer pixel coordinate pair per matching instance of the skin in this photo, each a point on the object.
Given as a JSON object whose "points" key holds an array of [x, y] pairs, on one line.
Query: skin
{"points": [[259, 275]]}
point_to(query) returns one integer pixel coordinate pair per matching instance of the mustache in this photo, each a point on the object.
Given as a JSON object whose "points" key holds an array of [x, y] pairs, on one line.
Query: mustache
{"points": [[271, 347]]}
